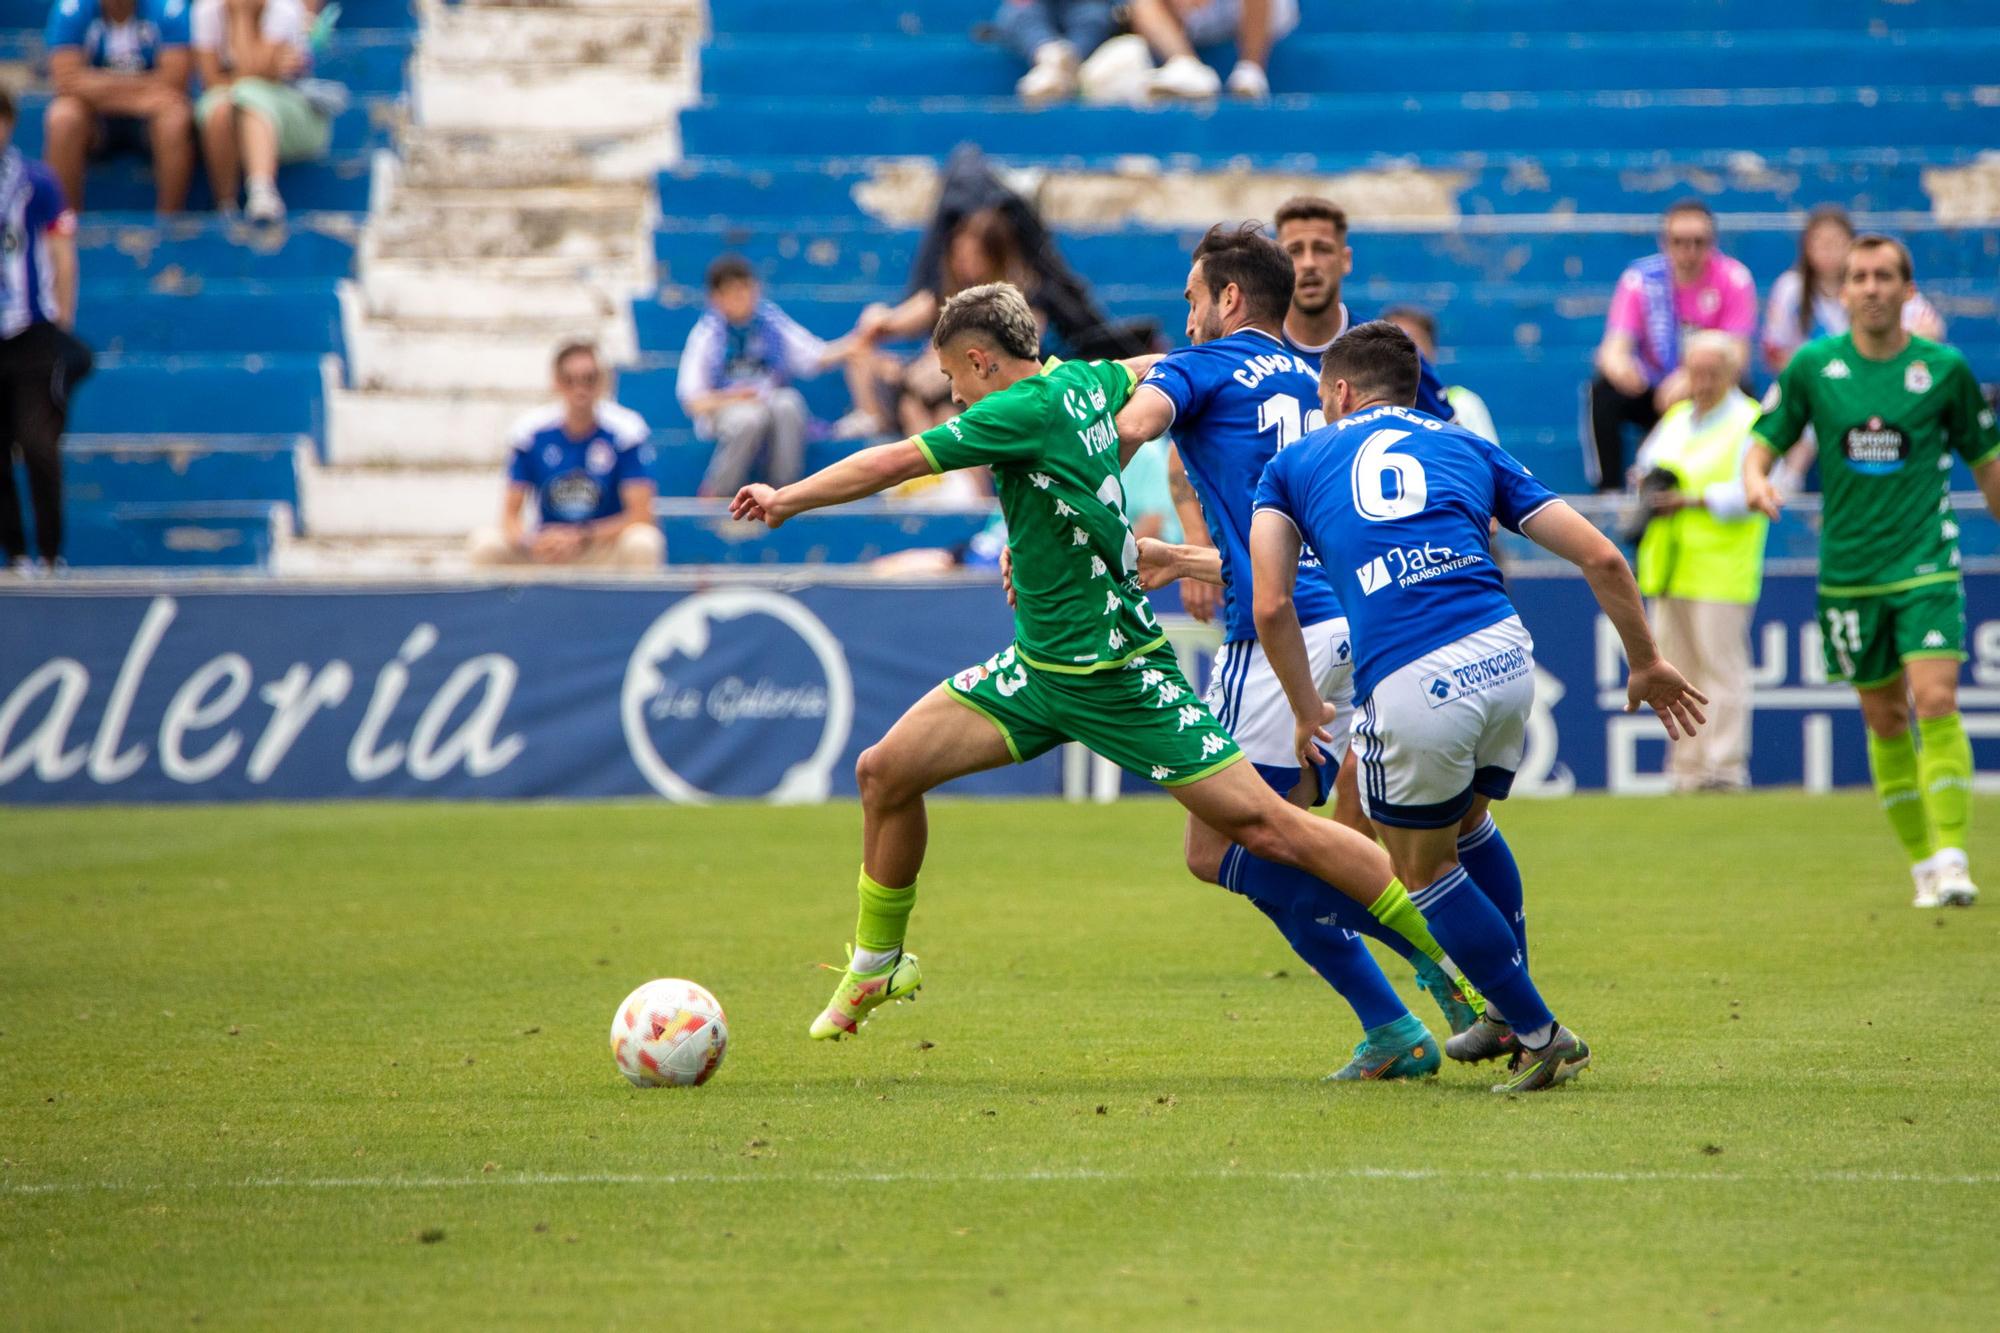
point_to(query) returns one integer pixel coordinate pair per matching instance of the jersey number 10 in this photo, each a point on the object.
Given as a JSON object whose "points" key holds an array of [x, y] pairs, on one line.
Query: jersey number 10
{"points": [[1280, 412]]}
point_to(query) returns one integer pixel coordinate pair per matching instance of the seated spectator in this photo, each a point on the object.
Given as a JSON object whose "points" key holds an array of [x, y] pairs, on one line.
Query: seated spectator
{"points": [[1468, 409], [735, 381], [120, 70], [1805, 300], [586, 463], [1701, 555], [1689, 285], [254, 113], [1175, 28], [1054, 37]]}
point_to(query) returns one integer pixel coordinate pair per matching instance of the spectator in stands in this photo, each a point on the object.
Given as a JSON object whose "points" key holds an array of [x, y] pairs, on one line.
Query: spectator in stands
{"points": [[1054, 37], [1467, 407], [983, 232], [254, 111], [120, 70], [1689, 285], [736, 380], [1805, 300], [1175, 28], [39, 361], [1701, 556], [587, 463]]}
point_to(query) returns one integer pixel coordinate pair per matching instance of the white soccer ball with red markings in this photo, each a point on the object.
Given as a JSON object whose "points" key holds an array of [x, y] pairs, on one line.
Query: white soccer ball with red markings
{"points": [[669, 1033]]}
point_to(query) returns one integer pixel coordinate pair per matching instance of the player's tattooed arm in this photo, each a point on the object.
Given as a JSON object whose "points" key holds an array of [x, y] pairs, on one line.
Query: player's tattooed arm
{"points": [[859, 474], [1274, 572], [1654, 682]]}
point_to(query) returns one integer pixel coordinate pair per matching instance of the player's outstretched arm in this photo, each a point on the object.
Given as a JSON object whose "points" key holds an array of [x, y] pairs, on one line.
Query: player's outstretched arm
{"points": [[1145, 416], [1559, 529], [1274, 573], [1759, 492], [1161, 563], [859, 474]]}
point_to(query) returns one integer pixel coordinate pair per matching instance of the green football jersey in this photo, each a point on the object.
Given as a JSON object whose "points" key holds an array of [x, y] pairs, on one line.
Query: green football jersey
{"points": [[1053, 448], [1886, 432]]}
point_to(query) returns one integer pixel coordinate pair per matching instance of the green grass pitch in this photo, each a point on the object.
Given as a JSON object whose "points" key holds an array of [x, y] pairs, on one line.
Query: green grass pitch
{"points": [[341, 1067]]}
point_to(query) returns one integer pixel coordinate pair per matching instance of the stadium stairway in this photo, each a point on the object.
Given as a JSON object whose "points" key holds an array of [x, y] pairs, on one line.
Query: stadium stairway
{"points": [[515, 213], [209, 334]]}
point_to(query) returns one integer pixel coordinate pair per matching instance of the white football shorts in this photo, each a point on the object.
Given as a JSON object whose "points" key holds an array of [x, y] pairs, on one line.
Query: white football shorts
{"points": [[1245, 696], [1448, 726]]}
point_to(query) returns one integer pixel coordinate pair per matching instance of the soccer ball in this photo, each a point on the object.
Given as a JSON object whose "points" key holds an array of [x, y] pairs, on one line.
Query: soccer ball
{"points": [[669, 1033]]}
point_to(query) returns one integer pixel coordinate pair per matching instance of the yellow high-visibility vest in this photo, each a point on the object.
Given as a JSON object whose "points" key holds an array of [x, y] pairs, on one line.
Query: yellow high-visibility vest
{"points": [[1690, 553]]}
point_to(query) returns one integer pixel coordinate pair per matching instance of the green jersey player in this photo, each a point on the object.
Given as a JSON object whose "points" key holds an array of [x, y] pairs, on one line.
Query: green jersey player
{"points": [[1088, 662], [1889, 410]]}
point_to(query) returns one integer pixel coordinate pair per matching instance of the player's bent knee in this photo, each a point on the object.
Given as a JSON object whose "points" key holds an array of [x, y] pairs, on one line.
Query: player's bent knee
{"points": [[880, 778]]}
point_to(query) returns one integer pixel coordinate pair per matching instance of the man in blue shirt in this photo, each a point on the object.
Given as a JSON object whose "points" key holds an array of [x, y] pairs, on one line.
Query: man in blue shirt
{"points": [[1233, 400], [1397, 505], [586, 464], [120, 70]]}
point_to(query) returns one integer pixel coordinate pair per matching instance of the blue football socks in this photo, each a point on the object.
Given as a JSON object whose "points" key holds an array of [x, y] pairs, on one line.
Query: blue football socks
{"points": [[1478, 938], [1341, 960], [1490, 861]]}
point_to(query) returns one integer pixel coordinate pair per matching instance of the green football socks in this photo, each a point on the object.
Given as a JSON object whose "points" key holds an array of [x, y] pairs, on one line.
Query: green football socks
{"points": [[885, 916], [1395, 910], [1944, 768], [1892, 761]]}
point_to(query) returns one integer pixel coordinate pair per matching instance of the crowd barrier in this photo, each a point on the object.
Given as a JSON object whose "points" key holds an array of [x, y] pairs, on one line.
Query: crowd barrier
{"points": [[759, 690]]}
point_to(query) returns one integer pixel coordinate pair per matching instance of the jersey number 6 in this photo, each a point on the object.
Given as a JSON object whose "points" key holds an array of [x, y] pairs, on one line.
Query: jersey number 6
{"points": [[1387, 485]]}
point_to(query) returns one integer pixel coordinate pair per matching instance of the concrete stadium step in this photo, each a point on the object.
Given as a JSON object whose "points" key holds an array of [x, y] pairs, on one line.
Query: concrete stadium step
{"points": [[816, 65], [338, 185], [1465, 251], [355, 502], [123, 469], [1758, 120], [262, 394], [369, 557], [219, 317], [948, 17], [398, 356], [366, 124], [606, 226], [474, 162], [196, 250], [234, 535], [555, 295], [1108, 190]]}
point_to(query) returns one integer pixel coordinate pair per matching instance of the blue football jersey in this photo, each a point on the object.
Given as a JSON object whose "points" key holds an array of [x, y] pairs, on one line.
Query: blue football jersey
{"points": [[1238, 401], [1430, 389], [577, 481], [1397, 504]]}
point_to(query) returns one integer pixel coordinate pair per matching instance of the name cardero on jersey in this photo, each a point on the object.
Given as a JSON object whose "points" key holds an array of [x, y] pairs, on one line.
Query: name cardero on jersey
{"points": [[1876, 448], [1406, 566], [1254, 369], [1456, 682]]}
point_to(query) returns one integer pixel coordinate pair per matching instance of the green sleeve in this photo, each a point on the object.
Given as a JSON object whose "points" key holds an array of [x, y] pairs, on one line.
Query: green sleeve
{"points": [[1003, 427], [1787, 407], [1117, 379], [1974, 436]]}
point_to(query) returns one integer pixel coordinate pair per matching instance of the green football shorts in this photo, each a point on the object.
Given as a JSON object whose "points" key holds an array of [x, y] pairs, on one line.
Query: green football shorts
{"points": [[1142, 716], [1867, 639]]}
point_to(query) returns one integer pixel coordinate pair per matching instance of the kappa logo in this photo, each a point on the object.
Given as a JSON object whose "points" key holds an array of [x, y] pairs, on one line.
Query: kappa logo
{"points": [[1836, 369], [1934, 639]]}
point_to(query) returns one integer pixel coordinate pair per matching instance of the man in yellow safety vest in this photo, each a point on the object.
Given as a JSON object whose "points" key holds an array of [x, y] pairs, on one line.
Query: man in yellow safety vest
{"points": [[1701, 560]]}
